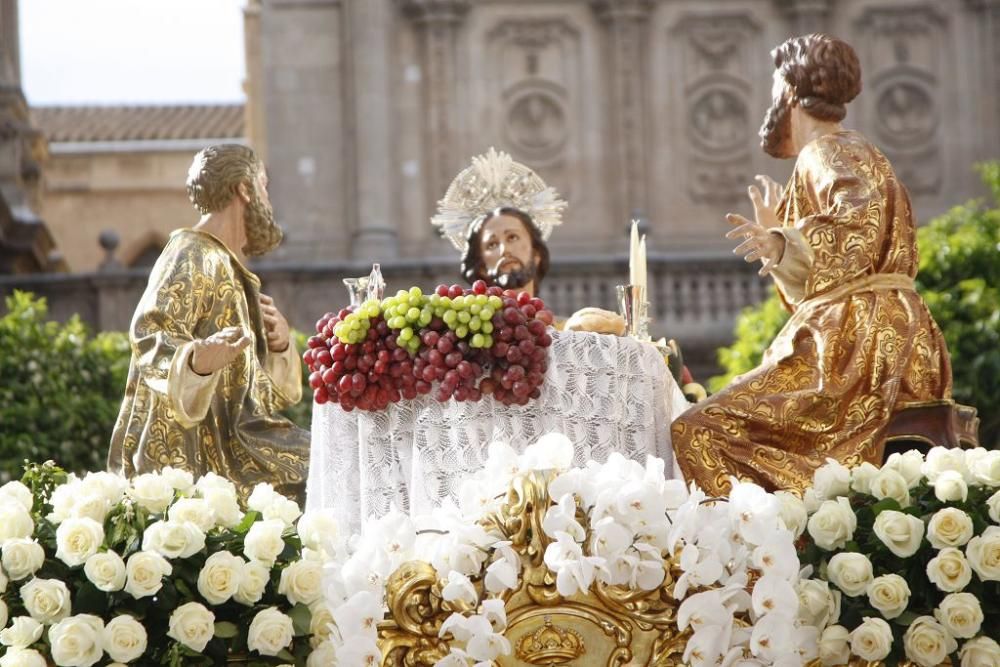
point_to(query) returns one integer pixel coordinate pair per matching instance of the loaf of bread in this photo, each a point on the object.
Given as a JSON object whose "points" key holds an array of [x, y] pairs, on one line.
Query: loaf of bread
{"points": [[597, 320]]}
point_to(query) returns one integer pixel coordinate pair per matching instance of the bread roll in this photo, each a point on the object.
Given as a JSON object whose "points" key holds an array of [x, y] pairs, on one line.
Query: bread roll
{"points": [[597, 320]]}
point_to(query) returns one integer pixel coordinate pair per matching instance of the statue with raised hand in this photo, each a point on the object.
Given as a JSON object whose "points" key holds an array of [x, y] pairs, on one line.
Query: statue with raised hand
{"points": [[212, 361]]}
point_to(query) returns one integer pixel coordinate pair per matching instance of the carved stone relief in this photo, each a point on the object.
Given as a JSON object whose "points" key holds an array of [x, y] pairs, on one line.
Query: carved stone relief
{"points": [[717, 97], [902, 49]]}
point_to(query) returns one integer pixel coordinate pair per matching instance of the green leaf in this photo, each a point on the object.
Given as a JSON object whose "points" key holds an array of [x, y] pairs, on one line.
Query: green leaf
{"points": [[905, 619], [885, 504], [285, 655], [301, 619], [226, 630]]}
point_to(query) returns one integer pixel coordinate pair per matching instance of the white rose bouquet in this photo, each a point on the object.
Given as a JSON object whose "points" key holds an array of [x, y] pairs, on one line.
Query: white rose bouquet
{"points": [[913, 549], [160, 570]]}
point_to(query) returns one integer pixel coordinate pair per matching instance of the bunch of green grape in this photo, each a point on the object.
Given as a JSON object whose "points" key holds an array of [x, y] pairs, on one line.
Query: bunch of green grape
{"points": [[407, 313], [354, 328], [466, 313]]}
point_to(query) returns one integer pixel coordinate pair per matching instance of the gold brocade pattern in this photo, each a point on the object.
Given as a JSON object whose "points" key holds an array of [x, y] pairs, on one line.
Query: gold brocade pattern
{"points": [[197, 288], [837, 370]]}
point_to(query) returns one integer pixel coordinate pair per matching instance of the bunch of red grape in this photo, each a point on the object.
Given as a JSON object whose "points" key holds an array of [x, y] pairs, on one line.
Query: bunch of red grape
{"points": [[459, 343]]}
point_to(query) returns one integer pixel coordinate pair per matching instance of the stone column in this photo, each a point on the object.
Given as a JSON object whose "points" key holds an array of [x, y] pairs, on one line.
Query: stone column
{"points": [[805, 16], [10, 48], [366, 48], [253, 85], [986, 46], [627, 22], [438, 21]]}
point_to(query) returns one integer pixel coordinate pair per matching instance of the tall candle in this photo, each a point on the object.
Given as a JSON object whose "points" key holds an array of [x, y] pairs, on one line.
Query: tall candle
{"points": [[641, 273], [633, 255]]}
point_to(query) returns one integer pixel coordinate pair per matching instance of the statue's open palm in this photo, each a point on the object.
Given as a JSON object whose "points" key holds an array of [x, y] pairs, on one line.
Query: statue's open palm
{"points": [[760, 243], [218, 350]]}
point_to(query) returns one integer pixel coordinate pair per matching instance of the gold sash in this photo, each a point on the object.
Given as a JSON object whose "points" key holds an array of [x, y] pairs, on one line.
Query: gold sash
{"points": [[869, 283]]}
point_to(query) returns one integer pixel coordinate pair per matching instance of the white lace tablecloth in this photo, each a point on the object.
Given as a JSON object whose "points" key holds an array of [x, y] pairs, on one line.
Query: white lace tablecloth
{"points": [[607, 394]]}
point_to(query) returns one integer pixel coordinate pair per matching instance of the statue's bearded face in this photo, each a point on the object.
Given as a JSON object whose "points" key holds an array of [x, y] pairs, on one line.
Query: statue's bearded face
{"points": [[263, 235], [776, 132], [508, 255]]}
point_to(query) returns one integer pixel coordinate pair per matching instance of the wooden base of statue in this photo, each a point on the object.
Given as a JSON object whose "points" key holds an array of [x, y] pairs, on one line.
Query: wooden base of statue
{"points": [[941, 423]]}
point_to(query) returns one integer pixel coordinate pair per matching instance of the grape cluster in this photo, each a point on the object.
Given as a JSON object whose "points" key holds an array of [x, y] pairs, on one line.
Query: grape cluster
{"points": [[458, 343]]}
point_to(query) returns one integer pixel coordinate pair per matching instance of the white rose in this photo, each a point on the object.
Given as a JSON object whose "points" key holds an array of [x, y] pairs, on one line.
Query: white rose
{"points": [[811, 500], [23, 657], [47, 600], [949, 570], [833, 524], [960, 614], [17, 492], [270, 632], [15, 522], [872, 640], [152, 491], [908, 465], [792, 512], [273, 505], [180, 480], [949, 527], [144, 573], [193, 510], [220, 578], [225, 507], [832, 480], [192, 625], [983, 553], [993, 505], [77, 641], [91, 506], [889, 483], [252, 585], [942, 459], [3, 581], [818, 605], [320, 624], [862, 476], [263, 541], [302, 582], [125, 638], [980, 652], [173, 539], [78, 539], [4, 614], [63, 499], [833, 646], [983, 466], [106, 571], [108, 485], [22, 558], [951, 487], [850, 572], [22, 633], [902, 533], [317, 528], [325, 655], [927, 643], [890, 594]]}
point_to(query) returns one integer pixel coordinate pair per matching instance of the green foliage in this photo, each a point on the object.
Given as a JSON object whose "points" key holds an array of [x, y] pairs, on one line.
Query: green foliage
{"points": [[756, 327], [61, 388], [959, 278]]}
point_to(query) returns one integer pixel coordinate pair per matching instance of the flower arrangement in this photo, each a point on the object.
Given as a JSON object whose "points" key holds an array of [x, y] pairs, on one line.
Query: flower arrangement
{"points": [[913, 551], [691, 579], [160, 569]]}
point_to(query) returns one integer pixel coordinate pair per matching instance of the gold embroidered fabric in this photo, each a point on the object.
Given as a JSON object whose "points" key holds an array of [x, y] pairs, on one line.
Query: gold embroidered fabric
{"points": [[833, 376], [228, 423]]}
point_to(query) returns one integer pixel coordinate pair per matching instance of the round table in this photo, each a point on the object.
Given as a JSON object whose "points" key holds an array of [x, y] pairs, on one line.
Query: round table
{"points": [[607, 394]]}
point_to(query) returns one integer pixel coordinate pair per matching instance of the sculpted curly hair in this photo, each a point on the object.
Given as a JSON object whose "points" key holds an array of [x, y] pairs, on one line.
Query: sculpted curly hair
{"points": [[215, 173], [823, 73]]}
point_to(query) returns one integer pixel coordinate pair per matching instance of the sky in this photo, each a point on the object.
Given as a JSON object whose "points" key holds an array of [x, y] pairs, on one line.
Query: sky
{"points": [[132, 51]]}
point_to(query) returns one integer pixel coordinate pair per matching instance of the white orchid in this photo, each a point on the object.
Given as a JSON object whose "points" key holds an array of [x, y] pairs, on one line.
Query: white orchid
{"points": [[553, 451], [561, 518], [573, 570], [460, 589], [359, 617]]}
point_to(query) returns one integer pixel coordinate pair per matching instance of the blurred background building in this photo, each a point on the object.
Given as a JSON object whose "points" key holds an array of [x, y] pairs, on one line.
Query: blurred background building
{"points": [[366, 109]]}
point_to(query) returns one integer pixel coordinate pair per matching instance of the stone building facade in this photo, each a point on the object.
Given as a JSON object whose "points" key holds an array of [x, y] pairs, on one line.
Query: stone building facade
{"points": [[648, 108]]}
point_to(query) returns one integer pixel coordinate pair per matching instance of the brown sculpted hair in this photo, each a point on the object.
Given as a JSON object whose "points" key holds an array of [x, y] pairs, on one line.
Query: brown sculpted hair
{"points": [[215, 175], [472, 260], [823, 73]]}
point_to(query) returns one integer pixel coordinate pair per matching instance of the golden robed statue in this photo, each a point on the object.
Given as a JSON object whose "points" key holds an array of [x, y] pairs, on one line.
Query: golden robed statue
{"points": [[212, 362], [840, 243]]}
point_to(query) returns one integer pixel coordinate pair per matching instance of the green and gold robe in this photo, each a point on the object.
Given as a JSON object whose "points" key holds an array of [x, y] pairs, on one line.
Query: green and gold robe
{"points": [[860, 342], [226, 422]]}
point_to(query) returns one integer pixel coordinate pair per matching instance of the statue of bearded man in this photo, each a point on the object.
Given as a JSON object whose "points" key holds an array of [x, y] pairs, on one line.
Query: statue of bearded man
{"points": [[212, 362], [506, 249]]}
